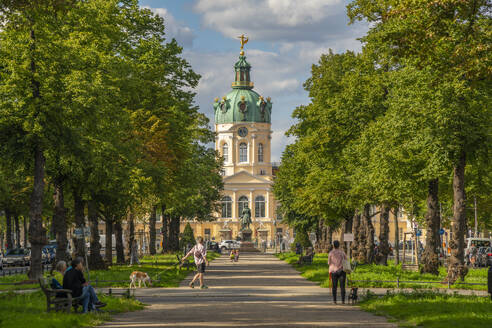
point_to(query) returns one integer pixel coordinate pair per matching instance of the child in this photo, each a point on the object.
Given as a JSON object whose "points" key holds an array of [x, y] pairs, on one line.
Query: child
{"points": [[232, 255], [236, 255]]}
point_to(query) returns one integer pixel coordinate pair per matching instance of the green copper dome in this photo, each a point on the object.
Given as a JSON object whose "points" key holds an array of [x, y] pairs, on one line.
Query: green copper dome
{"points": [[242, 104]]}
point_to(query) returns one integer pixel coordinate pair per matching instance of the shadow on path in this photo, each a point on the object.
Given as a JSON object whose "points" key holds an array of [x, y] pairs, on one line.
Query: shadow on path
{"points": [[257, 291]]}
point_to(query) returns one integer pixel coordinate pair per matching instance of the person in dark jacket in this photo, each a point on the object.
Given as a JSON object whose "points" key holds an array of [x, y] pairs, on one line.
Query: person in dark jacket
{"points": [[489, 281], [75, 281]]}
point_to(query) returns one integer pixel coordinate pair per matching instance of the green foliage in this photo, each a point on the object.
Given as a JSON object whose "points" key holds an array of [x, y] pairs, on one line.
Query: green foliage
{"points": [[301, 238], [432, 309], [187, 238], [18, 309]]}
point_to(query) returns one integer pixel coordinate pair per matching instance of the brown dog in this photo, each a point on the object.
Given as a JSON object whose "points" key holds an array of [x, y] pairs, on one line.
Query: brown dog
{"points": [[140, 277]]}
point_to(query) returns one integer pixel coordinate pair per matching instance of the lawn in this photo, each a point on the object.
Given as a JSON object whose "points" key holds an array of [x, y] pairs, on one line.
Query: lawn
{"points": [[17, 310], [162, 269], [318, 272], [431, 309]]}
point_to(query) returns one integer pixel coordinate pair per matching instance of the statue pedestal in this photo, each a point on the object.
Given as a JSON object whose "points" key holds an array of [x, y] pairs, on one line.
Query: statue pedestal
{"points": [[245, 234], [248, 247]]}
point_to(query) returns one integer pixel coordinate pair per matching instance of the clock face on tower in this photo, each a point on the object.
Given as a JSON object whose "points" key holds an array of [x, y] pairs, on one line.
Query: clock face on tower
{"points": [[243, 132]]}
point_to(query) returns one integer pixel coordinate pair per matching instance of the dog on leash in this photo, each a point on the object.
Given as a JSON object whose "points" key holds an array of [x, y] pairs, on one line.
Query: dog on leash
{"points": [[140, 277], [353, 298]]}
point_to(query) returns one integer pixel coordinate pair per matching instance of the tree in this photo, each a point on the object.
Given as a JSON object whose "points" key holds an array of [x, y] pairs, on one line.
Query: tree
{"points": [[446, 43], [188, 237]]}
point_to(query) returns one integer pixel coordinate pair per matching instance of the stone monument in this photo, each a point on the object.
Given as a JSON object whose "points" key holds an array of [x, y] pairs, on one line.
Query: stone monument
{"points": [[245, 232]]}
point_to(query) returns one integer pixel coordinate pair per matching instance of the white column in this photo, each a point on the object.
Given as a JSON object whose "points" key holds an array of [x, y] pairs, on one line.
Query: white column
{"points": [[253, 149], [234, 205], [251, 203]]}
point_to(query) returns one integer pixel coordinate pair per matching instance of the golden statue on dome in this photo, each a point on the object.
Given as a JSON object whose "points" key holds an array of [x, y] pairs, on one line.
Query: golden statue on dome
{"points": [[243, 41]]}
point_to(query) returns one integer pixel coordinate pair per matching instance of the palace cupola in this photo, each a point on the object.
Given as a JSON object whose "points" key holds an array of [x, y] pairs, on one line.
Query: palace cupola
{"points": [[242, 103]]}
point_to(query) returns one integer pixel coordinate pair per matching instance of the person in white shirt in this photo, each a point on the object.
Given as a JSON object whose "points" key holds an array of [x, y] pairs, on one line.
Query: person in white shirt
{"points": [[200, 254]]}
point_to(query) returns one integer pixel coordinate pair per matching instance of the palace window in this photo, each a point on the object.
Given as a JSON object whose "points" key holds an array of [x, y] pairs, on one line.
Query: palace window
{"points": [[225, 152], [260, 207], [260, 153], [243, 152], [262, 172], [242, 203], [226, 207]]}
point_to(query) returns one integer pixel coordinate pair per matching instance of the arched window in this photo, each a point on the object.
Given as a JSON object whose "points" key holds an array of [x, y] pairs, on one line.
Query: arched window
{"points": [[260, 207], [225, 152], [260, 153], [243, 152], [226, 207], [242, 203]]}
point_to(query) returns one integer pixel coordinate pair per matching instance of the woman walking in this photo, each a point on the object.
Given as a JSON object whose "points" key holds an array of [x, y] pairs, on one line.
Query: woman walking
{"points": [[335, 262]]}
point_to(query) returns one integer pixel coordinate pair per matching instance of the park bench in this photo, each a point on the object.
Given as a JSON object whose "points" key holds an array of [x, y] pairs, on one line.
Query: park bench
{"points": [[306, 259], [410, 267], [58, 299]]}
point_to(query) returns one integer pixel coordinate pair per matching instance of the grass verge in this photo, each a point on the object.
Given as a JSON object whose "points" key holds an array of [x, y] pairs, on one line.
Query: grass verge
{"points": [[318, 272], [431, 309], [19, 310], [161, 268]]}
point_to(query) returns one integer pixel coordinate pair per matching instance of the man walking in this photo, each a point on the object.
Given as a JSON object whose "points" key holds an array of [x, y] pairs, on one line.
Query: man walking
{"points": [[335, 262], [200, 254]]}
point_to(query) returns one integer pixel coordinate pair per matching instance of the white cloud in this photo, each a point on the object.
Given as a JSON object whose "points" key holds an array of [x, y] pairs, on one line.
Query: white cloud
{"points": [[277, 20], [174, 29], [299, 31]]}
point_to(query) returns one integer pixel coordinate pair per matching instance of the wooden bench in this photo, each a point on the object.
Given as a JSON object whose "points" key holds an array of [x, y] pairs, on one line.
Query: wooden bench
{"points": [[58, 299], [410, 267], [306, 259]]}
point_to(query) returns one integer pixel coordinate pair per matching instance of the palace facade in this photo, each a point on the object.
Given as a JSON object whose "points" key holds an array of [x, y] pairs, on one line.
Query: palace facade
{"points": [[243, 128]]}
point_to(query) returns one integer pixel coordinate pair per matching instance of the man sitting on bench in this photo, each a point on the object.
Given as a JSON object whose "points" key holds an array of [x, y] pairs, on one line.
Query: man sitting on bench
{"points": [[75, 281]]}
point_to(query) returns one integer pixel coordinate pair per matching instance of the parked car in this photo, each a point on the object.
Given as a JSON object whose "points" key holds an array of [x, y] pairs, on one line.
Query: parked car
{"points": [[18, 256], [229, 244], [212, 245], [48, 254], [484, 256]]}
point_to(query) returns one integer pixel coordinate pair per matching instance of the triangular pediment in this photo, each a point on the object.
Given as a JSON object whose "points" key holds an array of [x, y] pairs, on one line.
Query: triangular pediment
{"points": [[245, 177]]}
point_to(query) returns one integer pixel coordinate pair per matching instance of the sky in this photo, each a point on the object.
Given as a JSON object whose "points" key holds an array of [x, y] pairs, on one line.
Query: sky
{"points": [[286, 37]]}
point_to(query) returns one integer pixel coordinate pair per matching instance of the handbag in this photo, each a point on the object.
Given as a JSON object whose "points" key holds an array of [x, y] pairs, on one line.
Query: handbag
{"points": [[346, 266]]}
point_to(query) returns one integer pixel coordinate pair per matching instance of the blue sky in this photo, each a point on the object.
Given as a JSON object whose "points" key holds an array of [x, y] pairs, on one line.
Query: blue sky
{"points": [[286, 38]]}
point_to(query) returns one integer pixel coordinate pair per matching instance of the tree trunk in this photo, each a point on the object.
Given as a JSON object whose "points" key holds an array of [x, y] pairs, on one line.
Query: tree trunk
{"points": [[108, 252], [17, 231], [456, 267], [25, 230], [95, 259], [329, 239], [396, 246], [152, 230], [430, 258], [369, 238], [78, 208], [165, 230], [356, 225], [8, 217], [174, 233], [37, 233], [130, 224], [120, 252], [384, 234], [60, 222]]}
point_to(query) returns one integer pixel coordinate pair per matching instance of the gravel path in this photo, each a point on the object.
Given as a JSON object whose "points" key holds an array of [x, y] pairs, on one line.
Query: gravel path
{"points": [[258, 291]]}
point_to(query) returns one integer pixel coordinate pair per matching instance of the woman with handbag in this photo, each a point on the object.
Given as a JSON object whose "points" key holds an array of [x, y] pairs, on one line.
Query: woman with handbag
{"points": [[336, 260]]}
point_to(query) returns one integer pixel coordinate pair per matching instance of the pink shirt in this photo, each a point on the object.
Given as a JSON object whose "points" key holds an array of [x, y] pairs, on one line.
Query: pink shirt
{"points": [[199, 253], [335, 260]]}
